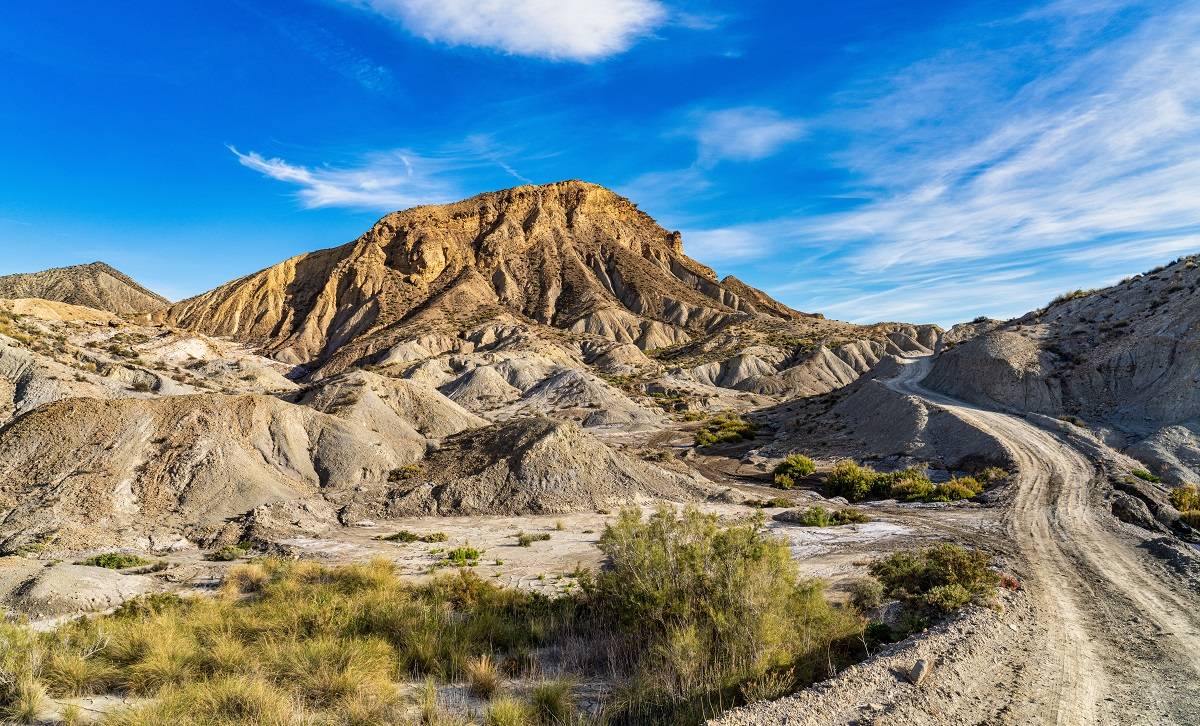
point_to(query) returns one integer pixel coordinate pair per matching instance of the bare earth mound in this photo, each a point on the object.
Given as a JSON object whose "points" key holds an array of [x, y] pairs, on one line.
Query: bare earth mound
{"points": [[94, 285]]}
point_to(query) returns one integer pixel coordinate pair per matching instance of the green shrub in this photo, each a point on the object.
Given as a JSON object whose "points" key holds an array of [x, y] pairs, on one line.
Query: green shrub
{"points": [[552, 702], [228, 553], [1191, 518], [526, 540], [701, 609], [818, 516], [466, 556], [992, 475], [725, 428], [849, 480], [795, 466], [404, 473], [913, 489], [1186, 498], [116, 561], [938, 579], [1146, 476], [405, 536]]}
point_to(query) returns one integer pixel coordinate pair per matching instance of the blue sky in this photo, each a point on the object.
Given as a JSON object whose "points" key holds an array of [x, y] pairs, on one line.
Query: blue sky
{"points": [[871, 160]]}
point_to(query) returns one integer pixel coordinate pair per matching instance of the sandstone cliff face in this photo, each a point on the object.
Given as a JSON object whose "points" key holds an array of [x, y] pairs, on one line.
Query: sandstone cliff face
{"points": [[570, 255], [94, 285]]}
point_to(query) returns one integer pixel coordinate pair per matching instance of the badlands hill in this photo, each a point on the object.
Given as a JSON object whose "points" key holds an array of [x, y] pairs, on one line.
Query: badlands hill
{"points": [[95, 285], [1125, 360], [567, 262]]}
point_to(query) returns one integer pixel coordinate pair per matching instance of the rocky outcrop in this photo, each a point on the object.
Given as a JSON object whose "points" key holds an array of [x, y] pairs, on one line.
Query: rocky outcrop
{"points": [[570, 255]]}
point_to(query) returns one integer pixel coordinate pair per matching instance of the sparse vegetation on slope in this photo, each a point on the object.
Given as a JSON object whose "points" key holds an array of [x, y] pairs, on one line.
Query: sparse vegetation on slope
{"points": [[725, 428], [791, 469], [857, 483], [817, 516], [934, 582], [116, 560]]}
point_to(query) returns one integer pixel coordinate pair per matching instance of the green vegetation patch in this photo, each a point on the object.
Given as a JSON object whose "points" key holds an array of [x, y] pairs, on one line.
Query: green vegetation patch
{"points": [[1146, 476], [116, 561], [526, 540], [406, 536], [817, 516], [792, 469], [725, 428], [857, 483]]}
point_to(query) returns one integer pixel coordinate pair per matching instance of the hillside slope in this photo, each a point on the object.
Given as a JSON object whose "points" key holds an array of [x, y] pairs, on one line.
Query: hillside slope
{"points": [[95, 285], [1125, 358]]}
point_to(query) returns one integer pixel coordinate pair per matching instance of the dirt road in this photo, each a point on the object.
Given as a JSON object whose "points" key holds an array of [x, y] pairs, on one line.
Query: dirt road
{"points": [[1104, 635]]}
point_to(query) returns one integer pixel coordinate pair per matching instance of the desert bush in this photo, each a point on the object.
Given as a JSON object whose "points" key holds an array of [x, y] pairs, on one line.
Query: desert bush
{"points": [[116, 560], [508, 711], [1191, 518], [1186, 498], [228, 553], [795, 466], [552, 702], [992, 475], [466, 556], [526, 540], [1146, 476], [404, 473], [405, 536], [700, 609], [818, 516], [938, 579], [725, 428], [866, 593], [849, 480]]}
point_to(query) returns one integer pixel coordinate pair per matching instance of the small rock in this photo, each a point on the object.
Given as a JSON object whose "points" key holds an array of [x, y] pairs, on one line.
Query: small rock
{"points": [[920, 672], [365, 523]]}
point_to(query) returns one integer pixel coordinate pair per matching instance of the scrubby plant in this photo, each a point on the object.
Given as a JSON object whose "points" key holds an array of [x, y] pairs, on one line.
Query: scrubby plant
{"points": [[1191, 518], [701, 609], [404, 473], [552, 702], [405, 536], [725, 428], [818, 516], [526, 540], [849, 480], [937, 580], [1186, 498], [1146, 476], [228, 553], [116, 560], [465, 556], [866, 593], [483, 676], [792, 468]]}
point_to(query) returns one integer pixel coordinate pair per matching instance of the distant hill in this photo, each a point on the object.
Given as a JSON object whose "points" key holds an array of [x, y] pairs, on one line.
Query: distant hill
{"points": [[95, 285]]}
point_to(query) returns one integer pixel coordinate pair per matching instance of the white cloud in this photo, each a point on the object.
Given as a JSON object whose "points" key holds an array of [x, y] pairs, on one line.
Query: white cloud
{"points": [[573, 30], [747, 133], [1106, 144], [382, 182]]}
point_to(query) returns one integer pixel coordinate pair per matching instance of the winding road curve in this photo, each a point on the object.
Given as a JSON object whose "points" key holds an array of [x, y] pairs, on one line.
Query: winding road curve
{"points": [[1123, 632]]}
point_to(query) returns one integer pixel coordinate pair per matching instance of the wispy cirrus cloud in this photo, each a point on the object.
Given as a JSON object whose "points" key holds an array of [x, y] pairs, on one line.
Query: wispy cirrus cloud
{"points": [[1067, 162], [391, 179], [565, 30], [745, 133], [380, 181]]}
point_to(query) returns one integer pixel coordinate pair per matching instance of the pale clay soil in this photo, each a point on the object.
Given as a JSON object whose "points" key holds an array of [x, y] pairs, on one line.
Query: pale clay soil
{"points": [[1100, 631]]}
